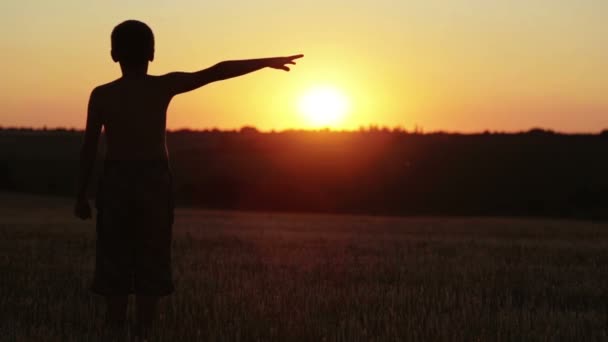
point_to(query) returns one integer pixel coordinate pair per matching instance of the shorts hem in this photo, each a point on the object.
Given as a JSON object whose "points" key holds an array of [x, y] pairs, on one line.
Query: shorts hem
{"points": [[109, 292]]}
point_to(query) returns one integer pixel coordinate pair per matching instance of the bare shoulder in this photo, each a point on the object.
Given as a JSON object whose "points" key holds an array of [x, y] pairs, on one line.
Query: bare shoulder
{"points": [[164, 79], [104, 89]]}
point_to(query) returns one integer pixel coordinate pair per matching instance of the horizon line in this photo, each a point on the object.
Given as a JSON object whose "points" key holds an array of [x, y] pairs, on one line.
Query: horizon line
{"points": [[362, 129]]}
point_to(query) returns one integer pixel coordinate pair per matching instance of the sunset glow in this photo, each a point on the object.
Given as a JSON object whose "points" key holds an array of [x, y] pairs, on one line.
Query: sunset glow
{"points": [[324, 106], [456, 65]]}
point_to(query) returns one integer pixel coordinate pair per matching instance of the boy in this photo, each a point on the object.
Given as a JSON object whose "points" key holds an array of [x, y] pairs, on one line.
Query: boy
{"points": [[134, 200]]}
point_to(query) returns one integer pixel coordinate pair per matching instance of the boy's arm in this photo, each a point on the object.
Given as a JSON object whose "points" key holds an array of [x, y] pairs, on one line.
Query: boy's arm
{"points": [[88, 155], [181, 82]]}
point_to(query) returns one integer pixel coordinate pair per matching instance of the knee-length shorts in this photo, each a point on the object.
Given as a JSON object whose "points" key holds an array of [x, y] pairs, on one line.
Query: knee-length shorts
{"points": [[134, 227]]}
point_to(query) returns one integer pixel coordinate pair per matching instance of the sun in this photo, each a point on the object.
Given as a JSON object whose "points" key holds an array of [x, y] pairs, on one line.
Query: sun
{"points": [[324, 106]]}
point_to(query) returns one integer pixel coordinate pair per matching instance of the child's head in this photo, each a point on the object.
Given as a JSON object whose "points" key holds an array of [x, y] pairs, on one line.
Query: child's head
{"points": [[132, 43]]}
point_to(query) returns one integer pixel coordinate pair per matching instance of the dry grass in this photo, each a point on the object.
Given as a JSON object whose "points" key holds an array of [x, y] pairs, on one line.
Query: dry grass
{"points": [[280, 277]]}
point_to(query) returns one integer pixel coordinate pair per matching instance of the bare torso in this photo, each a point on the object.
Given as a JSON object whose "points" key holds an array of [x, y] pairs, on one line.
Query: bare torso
{"points": [[133, 112]]}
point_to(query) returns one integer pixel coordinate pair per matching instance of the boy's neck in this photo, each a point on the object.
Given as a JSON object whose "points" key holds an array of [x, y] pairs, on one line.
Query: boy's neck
{"points": [[134, 71]]}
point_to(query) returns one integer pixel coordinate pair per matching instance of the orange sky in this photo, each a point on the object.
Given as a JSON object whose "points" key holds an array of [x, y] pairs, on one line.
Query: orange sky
{"points": [[462, 65]]}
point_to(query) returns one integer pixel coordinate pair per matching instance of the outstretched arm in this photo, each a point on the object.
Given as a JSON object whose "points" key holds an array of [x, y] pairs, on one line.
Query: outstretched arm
{"points": [[181, 82], [88, 155]]}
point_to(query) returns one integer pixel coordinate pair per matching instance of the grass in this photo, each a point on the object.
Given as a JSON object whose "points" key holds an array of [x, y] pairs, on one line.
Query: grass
{"points": [[283, 277]]}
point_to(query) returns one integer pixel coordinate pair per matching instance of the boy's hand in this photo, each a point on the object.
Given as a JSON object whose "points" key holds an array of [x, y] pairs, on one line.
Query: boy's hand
{"points": [[82, 210], [281, 62]]}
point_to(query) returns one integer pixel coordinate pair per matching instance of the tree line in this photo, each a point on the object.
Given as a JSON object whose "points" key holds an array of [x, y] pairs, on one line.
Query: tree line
{"points": [[371, 171]]}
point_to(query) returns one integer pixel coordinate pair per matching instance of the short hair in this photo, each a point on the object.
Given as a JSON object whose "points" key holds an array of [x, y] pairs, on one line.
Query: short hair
{"points": [[132, 42]]}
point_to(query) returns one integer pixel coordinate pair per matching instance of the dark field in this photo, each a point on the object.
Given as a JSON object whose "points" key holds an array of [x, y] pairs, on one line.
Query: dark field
{"points": [[281, 277]]}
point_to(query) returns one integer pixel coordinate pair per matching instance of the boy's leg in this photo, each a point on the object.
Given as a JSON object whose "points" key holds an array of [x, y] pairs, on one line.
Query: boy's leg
{"points": [[116, 311], [152, 245], [116, 318], [146, 313]]}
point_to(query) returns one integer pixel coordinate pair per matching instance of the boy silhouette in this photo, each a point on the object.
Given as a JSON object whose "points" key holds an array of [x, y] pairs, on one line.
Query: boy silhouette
{"points": [[134, 199]]}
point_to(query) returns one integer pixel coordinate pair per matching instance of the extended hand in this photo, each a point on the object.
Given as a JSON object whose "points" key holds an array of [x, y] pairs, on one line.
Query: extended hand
{"points": [[281, 62], [82, 210]]}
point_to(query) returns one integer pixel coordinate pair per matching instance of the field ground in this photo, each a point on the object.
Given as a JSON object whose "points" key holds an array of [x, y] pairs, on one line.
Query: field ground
{"points": [[281, 277]]}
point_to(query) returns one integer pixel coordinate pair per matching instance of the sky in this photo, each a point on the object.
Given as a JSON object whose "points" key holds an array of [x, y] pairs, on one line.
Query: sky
{"points": [[458, 65]]}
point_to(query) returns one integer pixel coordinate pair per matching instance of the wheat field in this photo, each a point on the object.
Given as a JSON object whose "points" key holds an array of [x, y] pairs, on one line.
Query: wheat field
{"points": [[243, 276]]}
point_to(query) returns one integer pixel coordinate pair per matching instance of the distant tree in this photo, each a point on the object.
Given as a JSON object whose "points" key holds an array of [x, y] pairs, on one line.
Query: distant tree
{"points": [[399, 129], [540, 131], [249, 130]]}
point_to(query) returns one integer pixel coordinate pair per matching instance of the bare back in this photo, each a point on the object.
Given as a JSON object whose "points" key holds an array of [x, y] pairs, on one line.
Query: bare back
{"points": [[133, 112]]}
